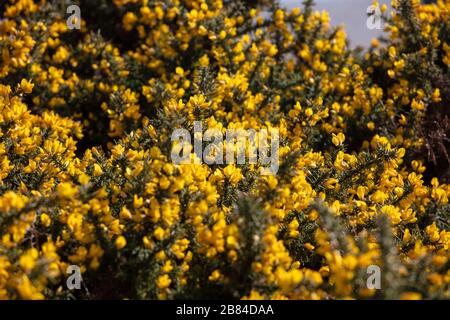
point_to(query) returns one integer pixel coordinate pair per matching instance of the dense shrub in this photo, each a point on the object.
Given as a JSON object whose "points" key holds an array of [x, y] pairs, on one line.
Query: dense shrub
{"points": [[86, 176]]}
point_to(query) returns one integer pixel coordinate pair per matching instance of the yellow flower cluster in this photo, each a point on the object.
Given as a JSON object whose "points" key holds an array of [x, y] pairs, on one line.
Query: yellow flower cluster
{"points": [[87, 179]]}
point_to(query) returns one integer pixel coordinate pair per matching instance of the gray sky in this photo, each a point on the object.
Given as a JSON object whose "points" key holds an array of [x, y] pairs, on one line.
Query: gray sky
{"points": [[351, 13]]}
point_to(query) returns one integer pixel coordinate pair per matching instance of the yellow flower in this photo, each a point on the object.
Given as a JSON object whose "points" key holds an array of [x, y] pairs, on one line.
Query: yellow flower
{"points": [[26, 86], [433, 232], [331, 183], [379, 197], [28, 260], [418, 105], [215, 275], [272, 50], [233, 174], [121, 242], [125, 213], [391, 73], [97, 170], [179, 71], [147, 243], [159, 233], [66, 190], [338, 139], [167, 267], [406, 236], [361, 191], [436, 97], [163, 281], [45, 220], [129, 19]]}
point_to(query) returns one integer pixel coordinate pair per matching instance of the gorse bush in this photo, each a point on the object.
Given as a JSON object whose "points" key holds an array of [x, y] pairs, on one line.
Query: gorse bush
{"points": [[87, 179]]}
